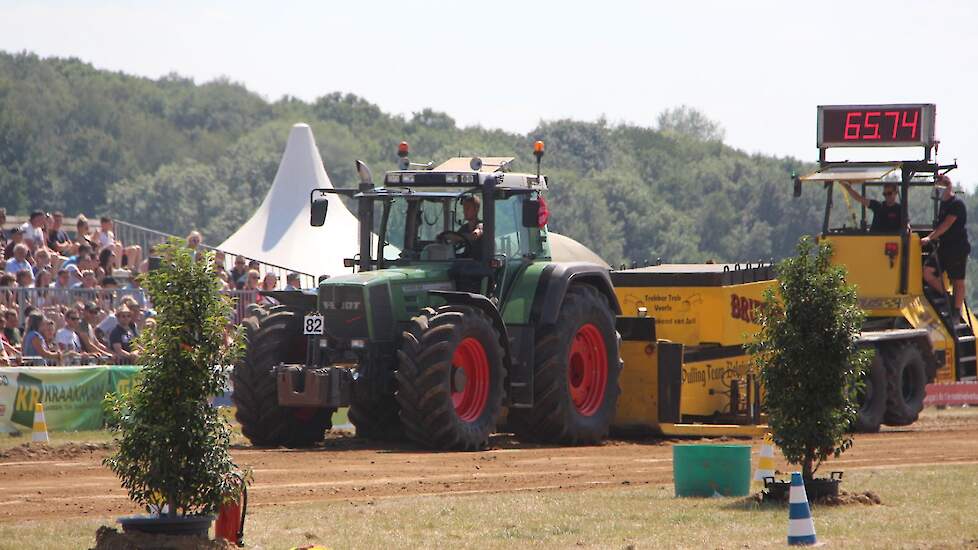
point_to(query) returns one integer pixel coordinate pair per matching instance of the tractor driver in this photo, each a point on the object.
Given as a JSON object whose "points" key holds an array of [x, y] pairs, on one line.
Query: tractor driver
{"points": [[472, 227], [886, 214]]}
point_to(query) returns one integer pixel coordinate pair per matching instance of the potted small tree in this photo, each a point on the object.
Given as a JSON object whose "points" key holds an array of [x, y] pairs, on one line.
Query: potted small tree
{"points": [[172, 454], [809, 363]]}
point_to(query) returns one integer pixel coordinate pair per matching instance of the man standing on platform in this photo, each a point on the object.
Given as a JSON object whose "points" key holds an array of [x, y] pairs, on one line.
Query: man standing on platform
{"points": [[953, 249]]}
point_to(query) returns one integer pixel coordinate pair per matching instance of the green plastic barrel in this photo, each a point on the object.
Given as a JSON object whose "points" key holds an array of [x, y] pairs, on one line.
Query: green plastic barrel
{"points": [[708, 470]]}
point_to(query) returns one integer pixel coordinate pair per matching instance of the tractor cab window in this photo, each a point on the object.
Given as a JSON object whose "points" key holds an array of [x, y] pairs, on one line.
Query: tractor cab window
{"points": [[512, 239], [412, 228], [430, 221]]}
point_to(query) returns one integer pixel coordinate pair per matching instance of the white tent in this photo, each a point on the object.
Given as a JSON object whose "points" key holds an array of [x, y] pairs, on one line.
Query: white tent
{"points": [[279, 232]]}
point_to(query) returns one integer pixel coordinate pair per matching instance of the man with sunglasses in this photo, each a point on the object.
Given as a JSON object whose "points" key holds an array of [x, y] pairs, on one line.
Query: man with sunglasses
{"points": [[123, 336], [952, 254], [886, 214]]}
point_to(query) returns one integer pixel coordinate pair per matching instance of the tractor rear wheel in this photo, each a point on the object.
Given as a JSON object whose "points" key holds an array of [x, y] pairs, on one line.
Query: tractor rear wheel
{"points": [[272, 337], [575, 382], [450, 378], [906, 380], [872, 399]]}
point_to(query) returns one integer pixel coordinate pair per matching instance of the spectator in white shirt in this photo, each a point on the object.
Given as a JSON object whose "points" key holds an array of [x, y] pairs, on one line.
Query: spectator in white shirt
{"points": [[67, 338], [34, 230], [74, 276], [19, 261], [104, 237]]}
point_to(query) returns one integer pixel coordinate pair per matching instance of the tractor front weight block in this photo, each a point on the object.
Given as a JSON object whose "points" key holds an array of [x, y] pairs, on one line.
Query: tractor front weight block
{"points": [[299, 386]]}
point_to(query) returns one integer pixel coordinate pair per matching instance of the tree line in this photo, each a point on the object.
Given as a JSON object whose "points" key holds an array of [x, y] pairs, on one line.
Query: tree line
{"points": [[175, 155]]}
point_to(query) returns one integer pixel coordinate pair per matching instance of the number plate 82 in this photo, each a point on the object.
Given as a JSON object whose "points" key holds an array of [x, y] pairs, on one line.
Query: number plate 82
{"points": [[312, 324]]}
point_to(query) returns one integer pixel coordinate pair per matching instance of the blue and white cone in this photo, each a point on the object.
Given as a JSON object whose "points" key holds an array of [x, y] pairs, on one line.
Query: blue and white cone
{"points": [[801, 528]]}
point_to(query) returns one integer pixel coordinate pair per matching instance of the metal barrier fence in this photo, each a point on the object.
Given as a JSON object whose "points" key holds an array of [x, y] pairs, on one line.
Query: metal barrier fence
{"points": [[132, 234], [50, 300]]}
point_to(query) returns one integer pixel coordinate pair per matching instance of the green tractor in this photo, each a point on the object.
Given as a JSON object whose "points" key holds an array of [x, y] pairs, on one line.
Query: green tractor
{"points": [[455, 321]]}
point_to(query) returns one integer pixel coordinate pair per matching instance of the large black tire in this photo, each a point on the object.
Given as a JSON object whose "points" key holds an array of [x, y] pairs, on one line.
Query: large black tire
{"points": [[872, 400], [555, 416], [437, 346], [274, 336], [906, 380], [378, 419]]}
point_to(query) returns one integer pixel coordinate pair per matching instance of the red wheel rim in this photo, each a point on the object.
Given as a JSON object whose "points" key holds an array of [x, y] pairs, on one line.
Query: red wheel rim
{"points": [[470, 399], [587, 370]]}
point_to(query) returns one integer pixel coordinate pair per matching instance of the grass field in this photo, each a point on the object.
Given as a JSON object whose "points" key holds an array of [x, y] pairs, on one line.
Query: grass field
{"points": [[924, 506], [931, 507]]}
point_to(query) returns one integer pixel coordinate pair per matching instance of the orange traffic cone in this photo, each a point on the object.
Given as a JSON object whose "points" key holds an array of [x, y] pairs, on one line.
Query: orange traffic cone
{"points": [[40, 428]]}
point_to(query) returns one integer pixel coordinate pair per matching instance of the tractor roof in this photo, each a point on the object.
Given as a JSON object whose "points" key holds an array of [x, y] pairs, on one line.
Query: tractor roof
{"points": [[411, 194], [467, 172]]}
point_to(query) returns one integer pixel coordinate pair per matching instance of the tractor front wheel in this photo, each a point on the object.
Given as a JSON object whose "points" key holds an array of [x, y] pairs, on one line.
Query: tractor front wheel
{"points": [[273, 336], [450, 378]]}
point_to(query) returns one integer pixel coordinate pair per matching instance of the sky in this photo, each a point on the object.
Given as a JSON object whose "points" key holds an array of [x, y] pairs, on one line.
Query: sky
{"points": [[758, 68]]}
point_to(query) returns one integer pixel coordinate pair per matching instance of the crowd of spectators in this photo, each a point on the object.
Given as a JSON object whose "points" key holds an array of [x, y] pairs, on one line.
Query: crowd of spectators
{"points": [[69, 299], [74, 298]]}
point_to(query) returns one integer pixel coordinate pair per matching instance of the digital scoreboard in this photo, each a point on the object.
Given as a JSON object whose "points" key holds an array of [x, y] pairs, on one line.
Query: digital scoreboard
{"points": [[904, 125]]}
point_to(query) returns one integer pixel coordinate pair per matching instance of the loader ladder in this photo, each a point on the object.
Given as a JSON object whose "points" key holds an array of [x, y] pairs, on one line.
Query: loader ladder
{"points": [[965, 356]]}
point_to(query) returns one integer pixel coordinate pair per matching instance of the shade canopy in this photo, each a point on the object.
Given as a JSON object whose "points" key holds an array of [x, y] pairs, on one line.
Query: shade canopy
{"points": [[855, 173]]}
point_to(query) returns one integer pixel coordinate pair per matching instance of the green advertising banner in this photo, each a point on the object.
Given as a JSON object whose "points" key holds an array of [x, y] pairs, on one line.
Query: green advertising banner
{"points": [[72, 396]]}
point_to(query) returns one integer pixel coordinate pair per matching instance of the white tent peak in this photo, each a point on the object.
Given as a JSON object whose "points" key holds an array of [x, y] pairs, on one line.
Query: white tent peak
{"points": [[279, 232]]}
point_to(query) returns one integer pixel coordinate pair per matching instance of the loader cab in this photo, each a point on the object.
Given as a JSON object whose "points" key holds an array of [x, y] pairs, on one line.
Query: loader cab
{"points": [[882, 264]]}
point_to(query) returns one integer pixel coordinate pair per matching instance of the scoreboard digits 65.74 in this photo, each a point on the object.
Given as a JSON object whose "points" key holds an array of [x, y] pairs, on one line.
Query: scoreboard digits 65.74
{"points": [[905, 125]]}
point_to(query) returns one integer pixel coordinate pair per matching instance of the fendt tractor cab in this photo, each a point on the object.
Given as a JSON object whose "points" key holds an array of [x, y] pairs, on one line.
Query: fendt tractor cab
{"points": [[439, 330], [910, 325]]}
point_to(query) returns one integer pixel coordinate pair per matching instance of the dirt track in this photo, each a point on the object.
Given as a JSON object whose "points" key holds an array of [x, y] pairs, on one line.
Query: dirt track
{"points": [[73, 483]]}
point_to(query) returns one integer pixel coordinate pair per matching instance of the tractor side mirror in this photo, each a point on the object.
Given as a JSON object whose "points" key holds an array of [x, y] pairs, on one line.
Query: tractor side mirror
{"points": [[531, 213], [797, 190], [317, 211]]}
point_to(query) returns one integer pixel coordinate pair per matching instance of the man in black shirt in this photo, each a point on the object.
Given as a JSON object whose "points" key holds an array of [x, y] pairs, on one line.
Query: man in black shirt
{"points": [[57, 237], [886, 214], [122, 336], [952, 254]]}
